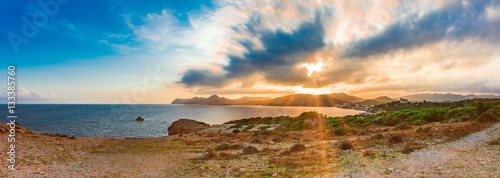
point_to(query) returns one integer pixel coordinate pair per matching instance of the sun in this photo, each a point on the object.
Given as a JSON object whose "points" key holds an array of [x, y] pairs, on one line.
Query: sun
{"points": [[318, 67]]}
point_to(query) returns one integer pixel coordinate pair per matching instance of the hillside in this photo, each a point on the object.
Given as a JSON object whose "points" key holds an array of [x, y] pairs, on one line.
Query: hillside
{"points": [[346, 98], [327, 100], [444, 97], [306, 100], [212, 100], [384, 99]]}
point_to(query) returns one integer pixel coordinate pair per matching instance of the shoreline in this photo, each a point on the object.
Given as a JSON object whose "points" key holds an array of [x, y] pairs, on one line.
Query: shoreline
{"points": [[164, 130]]}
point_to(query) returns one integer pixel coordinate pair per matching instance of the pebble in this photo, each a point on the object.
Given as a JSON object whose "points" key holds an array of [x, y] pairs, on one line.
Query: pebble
{"points": [[482, 163], [242, 169]]}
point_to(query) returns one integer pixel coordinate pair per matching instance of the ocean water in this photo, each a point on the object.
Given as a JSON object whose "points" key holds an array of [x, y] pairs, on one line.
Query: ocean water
{"points": [[119, 120]]}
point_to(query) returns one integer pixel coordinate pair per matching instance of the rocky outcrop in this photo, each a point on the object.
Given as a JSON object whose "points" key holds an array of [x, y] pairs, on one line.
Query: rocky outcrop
{"points": [[18, 128], [139, 119], [185, 126]]}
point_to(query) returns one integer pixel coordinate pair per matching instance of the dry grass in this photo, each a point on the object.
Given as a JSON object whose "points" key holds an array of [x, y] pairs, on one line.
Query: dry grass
{"points": [[180, 156]]}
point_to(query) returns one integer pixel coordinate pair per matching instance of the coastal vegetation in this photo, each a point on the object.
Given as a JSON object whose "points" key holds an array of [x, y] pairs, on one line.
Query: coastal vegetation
{"points": [[410, 113]]}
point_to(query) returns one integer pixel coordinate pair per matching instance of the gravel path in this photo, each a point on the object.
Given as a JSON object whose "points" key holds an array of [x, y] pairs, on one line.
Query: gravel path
{"points": [[466, 157]]}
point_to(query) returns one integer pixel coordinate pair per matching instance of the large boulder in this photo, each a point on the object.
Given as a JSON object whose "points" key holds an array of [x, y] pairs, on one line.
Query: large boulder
{"points": [[185, 126]]}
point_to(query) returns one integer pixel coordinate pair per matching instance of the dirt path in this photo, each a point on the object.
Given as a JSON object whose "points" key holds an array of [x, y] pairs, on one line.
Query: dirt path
{"points": [[470, 156]]}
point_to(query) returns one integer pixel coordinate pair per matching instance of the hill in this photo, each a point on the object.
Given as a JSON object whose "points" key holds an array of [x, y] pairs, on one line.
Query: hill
{"points": [[435, 97], [305, 100], [346, 98], [212, 100], [384, 99], [327, 100]]}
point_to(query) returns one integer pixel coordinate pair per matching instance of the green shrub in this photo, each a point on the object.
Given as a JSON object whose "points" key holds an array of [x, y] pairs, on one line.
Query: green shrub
{"points": [[343, 130], [495, 111]]}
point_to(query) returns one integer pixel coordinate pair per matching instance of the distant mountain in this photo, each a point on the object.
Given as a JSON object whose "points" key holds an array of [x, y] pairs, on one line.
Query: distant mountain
{"points": [[346, 98], [195, 100], [444, 97], [251, 101], [305, 100], [212, 100], [384, 99], [322, 100], [370, 102]]}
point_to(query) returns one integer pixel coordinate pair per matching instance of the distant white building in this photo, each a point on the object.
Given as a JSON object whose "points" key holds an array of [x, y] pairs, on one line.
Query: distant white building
{"points": [[403, 101], [345, 105]]}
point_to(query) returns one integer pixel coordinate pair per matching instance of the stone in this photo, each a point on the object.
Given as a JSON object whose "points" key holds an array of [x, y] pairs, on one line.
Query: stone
{"points": [[139, 119], [186, 126]]}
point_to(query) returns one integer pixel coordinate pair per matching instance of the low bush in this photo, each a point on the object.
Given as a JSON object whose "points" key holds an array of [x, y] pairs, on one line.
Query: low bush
{"points": [[402, 126], [395, 139], [486, 117], [345, 145]]}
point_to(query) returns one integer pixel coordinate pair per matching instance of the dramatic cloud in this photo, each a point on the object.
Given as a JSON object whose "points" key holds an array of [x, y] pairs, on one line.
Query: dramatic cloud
{"points": [[276, 60], [403, 45], [460, 20]]}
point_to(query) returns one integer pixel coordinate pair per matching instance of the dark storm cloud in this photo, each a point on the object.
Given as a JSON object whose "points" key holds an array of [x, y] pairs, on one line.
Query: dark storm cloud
{"points": [[203, 77], [454, 22], [277, 59]]}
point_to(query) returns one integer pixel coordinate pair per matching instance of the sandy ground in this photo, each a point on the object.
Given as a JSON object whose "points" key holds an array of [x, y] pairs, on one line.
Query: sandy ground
{"points": [[470, 156], [41, 155]]}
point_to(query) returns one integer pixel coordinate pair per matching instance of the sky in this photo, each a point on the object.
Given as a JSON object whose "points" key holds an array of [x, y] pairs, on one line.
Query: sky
{"points": [[124, 52]]}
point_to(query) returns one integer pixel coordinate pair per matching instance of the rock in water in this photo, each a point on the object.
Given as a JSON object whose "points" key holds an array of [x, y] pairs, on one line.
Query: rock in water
{"points": [[139, 119], [185, 126]]}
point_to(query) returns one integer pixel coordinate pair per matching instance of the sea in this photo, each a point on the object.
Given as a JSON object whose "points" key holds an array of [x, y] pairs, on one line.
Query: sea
{"points": [[118, 121]]}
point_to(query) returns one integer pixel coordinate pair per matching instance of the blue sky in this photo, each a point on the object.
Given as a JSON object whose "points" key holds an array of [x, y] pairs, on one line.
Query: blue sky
{"points": [[71, 55], [155, 51]]}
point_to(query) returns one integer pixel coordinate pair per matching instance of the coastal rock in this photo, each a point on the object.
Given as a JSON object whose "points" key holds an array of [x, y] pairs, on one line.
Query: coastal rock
{"points": [[185, 126], [139, 119], [4, 127]]}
